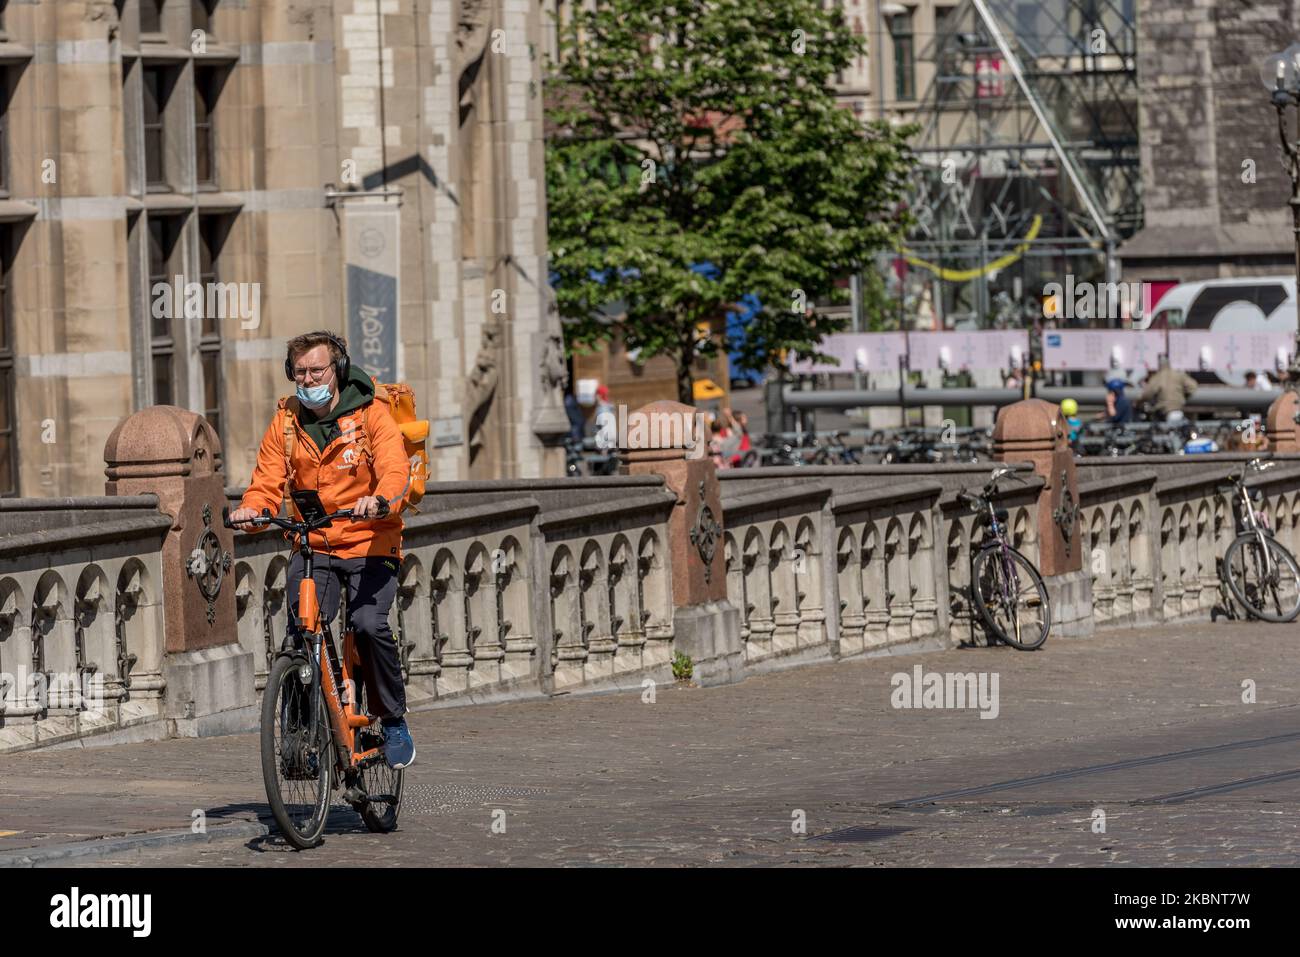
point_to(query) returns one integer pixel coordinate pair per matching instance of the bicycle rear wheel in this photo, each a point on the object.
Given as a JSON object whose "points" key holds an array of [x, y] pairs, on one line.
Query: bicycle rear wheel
{"points": [[378, 780], [295, 763], [1267, 590], [1011, 597]]}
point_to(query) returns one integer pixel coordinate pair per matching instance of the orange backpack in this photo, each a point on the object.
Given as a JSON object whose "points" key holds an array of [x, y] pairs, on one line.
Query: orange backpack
{"points": [[400, 399]]}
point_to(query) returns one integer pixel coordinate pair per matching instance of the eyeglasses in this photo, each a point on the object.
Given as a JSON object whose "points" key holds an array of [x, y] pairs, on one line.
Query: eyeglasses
{"points": [[316, 373]]}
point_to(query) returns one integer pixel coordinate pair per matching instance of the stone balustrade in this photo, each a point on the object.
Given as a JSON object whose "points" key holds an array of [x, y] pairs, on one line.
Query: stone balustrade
{"points": [[540, 587], [497, 593], [81, 618], [885, 580], [1158, 526]]}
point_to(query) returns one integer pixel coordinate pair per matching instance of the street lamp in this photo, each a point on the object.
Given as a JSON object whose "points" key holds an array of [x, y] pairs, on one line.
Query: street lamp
{"points": [[1280, 74]]}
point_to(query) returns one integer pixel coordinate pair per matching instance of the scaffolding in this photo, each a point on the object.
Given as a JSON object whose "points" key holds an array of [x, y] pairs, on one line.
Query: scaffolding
{"points": [[1028, 160]]}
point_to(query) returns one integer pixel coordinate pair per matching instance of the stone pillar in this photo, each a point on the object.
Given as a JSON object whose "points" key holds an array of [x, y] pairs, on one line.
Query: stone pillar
{"points": [[706, 625], [1033, 430], [175, 454], [1280, 424]]}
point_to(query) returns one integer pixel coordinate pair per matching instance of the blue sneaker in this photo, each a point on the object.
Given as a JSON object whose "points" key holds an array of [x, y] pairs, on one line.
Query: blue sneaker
{"points": [[399, 749]]}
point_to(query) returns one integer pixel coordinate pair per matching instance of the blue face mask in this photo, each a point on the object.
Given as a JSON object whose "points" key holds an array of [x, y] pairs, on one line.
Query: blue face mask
{"points": [[316, 397]]}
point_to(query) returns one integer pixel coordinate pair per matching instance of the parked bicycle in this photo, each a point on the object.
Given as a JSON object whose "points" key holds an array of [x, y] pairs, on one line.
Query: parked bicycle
{"points": [[796, 449], [830, 449], [929, 446], [315, 733], [586, 457], [1261, 574], [1006, 588]]}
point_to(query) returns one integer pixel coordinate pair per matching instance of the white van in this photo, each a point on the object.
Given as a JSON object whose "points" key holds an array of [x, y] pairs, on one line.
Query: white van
{"points": [[1245, 304]]}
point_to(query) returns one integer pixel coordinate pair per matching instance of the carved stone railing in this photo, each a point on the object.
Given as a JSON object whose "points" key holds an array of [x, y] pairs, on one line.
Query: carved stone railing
{"points": [[538, 587], [81, 623], [778, 569], [1158, 526], [498, 594], [610, 588], [878, 567], [1115, 514]]}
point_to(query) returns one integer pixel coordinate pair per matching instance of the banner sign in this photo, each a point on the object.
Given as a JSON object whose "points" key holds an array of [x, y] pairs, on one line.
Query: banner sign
{"points": [[1189, 349], [857, 352], [1196, 349], [880, 351], [372, 259], [954, 351], [1101, 349]]}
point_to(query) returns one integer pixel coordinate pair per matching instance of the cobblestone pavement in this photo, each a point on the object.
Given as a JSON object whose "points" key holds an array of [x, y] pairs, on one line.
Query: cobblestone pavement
{"points": [[1150, 722]]}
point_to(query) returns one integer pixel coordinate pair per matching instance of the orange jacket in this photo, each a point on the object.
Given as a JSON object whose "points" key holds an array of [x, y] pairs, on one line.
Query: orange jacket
{"points": [[341, 473]]}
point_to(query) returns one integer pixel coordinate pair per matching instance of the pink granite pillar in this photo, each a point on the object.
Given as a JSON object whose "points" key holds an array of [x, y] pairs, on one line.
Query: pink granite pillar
{"points": [[695, 547], [1280, 424], [1033, 430], [671, 439], [209, 678]]}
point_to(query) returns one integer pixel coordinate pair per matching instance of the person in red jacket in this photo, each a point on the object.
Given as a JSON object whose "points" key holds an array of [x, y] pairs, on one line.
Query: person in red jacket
{"points": [[333, 437]]}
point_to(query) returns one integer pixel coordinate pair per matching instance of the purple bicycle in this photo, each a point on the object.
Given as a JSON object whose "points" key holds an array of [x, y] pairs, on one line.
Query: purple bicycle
{"points": [[1006, 588]]}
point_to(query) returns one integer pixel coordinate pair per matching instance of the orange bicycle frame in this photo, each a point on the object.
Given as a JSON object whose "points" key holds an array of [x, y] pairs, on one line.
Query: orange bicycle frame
{"points": [[343, 717]]}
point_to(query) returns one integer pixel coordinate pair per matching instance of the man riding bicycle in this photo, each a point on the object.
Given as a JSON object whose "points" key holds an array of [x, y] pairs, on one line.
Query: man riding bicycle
{"points": [[334, 438]]}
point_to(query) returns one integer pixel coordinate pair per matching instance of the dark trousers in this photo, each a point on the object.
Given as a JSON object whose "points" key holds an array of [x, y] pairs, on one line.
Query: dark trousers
{"points": [[372, 584]]}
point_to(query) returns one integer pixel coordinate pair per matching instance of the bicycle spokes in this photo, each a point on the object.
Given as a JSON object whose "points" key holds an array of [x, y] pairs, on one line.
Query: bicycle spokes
{"points": [[301, 750]]}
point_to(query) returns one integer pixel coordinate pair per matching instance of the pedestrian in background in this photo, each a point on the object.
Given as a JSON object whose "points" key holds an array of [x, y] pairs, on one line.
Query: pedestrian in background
{"points": [[577, 421], [1119, 410], [1167, 391], [1258, 382]]}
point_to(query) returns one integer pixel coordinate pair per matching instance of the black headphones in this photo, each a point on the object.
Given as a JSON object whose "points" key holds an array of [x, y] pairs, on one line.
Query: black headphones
{"points": [[342, 365]]}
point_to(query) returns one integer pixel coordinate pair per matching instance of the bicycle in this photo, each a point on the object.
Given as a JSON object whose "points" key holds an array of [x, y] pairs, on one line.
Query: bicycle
{"points": [[830, 449], [1256, 565], [1004, 583], [305, 716], [911, 446]]}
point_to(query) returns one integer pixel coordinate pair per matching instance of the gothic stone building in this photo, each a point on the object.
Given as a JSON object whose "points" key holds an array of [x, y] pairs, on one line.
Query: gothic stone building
{"points": [[369, 166], [1214, 189]]}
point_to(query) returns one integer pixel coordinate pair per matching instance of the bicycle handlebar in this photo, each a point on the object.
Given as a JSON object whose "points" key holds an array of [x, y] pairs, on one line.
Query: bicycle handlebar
{"points": [[1239, 475], [266, 518]]}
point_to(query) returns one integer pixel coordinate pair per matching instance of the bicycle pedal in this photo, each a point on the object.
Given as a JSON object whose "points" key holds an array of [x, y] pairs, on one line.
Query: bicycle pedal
{"points": [[354, 794]]}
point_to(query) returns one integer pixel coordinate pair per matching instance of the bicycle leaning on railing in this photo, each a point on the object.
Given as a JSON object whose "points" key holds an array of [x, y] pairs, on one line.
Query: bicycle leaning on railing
{"points": [[316, 734], [1006, 589], [1261, 574]]}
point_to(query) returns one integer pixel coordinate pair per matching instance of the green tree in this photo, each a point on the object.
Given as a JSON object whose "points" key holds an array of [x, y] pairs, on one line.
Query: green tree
{"points": [[708, 132]]}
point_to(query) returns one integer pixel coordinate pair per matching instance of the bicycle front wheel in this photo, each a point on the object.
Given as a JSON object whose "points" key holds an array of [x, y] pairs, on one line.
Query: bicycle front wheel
{"points": [[1010, 597], [296, 762], [1266, 584]]}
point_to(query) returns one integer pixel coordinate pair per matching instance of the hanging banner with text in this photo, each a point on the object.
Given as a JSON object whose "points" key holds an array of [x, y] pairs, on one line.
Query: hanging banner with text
{"points": [[954, 351], [1190, 349], [857, 352], [1237, 351], [373, 257], [1101, 349]]}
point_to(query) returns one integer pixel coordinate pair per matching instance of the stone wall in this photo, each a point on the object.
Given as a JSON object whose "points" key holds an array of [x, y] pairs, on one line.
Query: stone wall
{"points": [[1214, 190], [438, 98]]}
